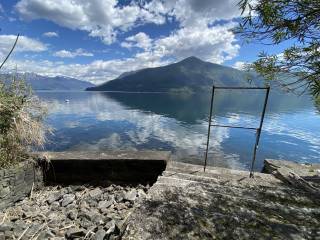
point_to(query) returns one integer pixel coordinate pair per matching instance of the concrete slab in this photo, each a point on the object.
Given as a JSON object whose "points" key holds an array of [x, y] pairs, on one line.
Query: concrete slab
{"points": [[224, 175], [117, 166], [186, 203], [108, 155]]}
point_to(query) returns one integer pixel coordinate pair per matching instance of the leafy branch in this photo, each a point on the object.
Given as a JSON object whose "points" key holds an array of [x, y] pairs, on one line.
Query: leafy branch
{"points": [[295, 23]]}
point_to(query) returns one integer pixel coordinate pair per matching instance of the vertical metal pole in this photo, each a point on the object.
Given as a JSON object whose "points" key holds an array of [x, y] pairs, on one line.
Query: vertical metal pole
{"points": [[258, 133], [209, 128]]}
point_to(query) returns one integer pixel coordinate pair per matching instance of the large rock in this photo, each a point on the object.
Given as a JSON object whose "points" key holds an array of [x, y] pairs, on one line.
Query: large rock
{"points": [[105, 204], [67, 199], [99, 235], [73, 233], [56, 196], [72, 214], [131, 195], [95, 193], [111, 226], [119, 197], [141, 194], [55, 206]]}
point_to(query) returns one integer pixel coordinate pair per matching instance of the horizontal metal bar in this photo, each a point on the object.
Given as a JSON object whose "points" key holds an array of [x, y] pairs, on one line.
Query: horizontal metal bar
{"points": [[265, 88], [227, 126]]}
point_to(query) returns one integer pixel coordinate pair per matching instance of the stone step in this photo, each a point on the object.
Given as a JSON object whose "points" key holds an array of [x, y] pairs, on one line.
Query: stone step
{"points": [[263, 203], [236, 182], [223, 174], [186, 209], [283, 196]]}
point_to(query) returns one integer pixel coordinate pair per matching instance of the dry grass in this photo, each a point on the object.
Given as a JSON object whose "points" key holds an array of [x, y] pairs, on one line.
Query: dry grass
{"points": [[21, 121]]}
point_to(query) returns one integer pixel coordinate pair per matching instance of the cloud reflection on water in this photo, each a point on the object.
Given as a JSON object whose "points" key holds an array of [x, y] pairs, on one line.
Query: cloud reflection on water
{"points": [[98, 122]]}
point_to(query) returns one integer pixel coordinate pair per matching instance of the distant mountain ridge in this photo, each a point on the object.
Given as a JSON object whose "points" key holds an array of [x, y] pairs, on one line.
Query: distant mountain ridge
{"points": [[190, 74], [39, 82]]}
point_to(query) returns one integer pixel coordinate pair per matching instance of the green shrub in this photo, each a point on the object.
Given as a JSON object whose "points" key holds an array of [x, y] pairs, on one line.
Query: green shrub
{"points": [[21, 121]]}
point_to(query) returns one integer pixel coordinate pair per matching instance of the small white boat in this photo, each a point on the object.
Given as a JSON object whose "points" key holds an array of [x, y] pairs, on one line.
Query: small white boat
{"points": [[67, 100]]}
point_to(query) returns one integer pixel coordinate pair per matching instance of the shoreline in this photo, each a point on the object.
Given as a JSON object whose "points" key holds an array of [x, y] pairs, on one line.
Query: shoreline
{"points": [[183, 202]]}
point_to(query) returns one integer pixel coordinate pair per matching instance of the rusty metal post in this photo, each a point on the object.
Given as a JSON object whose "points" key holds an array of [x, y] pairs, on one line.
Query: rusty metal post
{"points": [[258, 133], [209, 128], [258, 130]]}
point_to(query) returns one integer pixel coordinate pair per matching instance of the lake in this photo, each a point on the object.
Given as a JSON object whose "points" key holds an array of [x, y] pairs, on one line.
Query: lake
{"points": [[101, 121]]}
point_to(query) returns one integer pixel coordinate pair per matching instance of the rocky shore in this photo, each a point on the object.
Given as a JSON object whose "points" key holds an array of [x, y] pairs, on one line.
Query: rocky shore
{"points": [[71, 212]]}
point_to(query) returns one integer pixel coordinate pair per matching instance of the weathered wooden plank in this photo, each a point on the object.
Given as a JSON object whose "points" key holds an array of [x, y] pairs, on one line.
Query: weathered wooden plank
{"points": [[305, 170], [295, 174]]}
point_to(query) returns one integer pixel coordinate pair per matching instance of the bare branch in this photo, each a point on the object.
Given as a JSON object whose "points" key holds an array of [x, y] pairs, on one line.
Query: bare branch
{"points": [[13, 47]]}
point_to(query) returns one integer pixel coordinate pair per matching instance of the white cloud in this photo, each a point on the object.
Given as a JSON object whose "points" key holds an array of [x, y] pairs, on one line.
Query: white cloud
{"points": [[147, 126], [97, 71], [25, 44], [140, 40], [197, 34], [101, 18], [215, 44], [239, 65], [50, 34], [195, 12], [69, 54], [105, 18]]}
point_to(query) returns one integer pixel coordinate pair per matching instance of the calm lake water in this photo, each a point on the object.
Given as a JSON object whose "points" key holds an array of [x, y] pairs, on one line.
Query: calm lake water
{"points": [[103, 121]]}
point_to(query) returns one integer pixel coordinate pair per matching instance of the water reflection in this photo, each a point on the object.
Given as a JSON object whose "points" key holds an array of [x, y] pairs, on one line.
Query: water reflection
{"points": [[102, 121]]}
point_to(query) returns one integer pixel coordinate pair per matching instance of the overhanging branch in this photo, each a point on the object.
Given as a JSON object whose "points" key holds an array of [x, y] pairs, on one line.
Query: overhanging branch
{"points": [[13, 47]]}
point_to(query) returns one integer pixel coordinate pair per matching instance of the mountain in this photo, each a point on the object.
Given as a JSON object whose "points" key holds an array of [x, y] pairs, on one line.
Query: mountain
{"points": [[190, 74], [39, 82]]}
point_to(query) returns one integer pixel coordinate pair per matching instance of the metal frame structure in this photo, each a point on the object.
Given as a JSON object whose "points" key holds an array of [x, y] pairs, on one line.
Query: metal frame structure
{"points": [[258, 130]]}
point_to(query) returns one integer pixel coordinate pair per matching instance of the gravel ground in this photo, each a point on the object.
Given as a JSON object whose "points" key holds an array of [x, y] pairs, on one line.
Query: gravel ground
{"points": [[71, 212]]}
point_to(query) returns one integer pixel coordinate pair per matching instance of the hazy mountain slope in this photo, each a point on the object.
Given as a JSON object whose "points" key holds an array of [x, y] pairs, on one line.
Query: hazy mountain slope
{"points": [[38, 82], [191, 73]]}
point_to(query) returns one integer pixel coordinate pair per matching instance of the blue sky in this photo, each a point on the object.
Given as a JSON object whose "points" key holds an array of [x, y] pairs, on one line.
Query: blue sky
{"points": [[97, 40]]}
